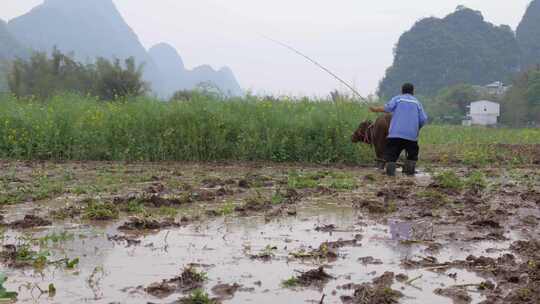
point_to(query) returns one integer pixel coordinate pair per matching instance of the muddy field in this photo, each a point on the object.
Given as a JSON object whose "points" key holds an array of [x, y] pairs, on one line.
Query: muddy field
{"points": [[267, 233]]}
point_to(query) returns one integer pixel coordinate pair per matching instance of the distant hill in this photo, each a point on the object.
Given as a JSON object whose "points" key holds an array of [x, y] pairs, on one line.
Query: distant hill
{"points": [[177, 77], [10, 49], [528, 35], [90, 29], [87, 28], [460, 48]]}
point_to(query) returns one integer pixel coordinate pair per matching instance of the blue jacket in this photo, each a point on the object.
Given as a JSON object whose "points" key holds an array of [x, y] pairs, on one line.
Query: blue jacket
{"points": [[408, 117]]}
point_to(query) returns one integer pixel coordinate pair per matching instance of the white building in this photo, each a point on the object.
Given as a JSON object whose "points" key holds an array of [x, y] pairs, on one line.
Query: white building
{"points": [[483, 113], [496, 88]]}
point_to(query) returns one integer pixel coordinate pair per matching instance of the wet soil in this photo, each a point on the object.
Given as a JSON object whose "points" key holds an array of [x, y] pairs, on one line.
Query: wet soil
{"points": [[238, 231]]}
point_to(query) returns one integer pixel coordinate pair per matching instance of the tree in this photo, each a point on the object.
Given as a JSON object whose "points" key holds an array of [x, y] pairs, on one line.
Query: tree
{"points": [[458, 97], [115, 81], [521, 105], [43, 76], [533, 87]]}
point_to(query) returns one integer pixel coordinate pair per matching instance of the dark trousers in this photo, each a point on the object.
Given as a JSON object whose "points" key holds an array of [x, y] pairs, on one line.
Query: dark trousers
{"points": [[395, 146]]}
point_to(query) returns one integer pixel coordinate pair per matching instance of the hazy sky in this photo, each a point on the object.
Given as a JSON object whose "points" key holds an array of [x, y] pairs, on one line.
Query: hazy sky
{"points": [[354, 38]]}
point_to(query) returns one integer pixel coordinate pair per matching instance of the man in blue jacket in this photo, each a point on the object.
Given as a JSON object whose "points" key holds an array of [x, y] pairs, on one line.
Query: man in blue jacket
{"points": [[408, 117]]}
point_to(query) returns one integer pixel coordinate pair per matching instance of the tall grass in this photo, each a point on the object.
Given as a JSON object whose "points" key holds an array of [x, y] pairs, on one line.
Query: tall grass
{"points": [[71, 127]]}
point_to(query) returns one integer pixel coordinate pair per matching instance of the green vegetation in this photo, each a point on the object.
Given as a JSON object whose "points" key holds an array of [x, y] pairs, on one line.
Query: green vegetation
{"points": [[450, 104], [25, 255], [267, 253], [70, 127], [136, 207], [99, 211], [166, 211], [4, 293], [476, 180], [291, 282], [198, 297], [521, 105], [277, 198], [51, 290], [343, 184], [302, 181], [226, 208], [55, 238], [435, 199], [449, 180], [195, 275], [70, 264]]}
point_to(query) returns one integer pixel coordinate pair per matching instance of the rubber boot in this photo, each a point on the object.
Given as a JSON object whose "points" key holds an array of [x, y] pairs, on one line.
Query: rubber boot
{"points": [[409, 168], [391, 169]]}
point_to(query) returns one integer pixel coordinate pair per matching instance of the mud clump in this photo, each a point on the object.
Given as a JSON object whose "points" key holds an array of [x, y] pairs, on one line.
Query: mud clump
{"points": [[527, 248], [532, 196], [316, 277], [226, 291], [21, 256], [377, 292], [282, 210], [265, 255], [215, 182], [122, 238], [428, 261], [189, 280], [530, 220], [342, 243], [369, 260], [160, 201], [371, 206], [487, 224], [203, 196], [292, 196], [402, 277], [327, 250], [66, 212], [30, 221], [224, 192], [138, 223], [155, 188], [255, 181], [253, 205], [400, 193], [326, 228], [323, 252], [457, 294]]}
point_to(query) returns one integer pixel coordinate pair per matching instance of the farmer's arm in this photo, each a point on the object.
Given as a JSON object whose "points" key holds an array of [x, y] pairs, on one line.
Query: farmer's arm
{"points": [[388, 107]]}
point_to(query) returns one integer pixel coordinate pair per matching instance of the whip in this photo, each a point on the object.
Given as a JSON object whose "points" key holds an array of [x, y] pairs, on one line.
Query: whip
{"points": [[318, 65]]}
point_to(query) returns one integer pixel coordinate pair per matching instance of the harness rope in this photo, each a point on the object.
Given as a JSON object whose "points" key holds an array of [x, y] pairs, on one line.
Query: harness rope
{"points": [[369, 137]]}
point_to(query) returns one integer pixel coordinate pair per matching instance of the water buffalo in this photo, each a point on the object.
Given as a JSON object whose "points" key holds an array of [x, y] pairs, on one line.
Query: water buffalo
{"points": [[374, 133]]}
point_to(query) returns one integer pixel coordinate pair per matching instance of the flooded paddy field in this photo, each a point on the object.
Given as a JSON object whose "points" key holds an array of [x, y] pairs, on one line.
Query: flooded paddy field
{"points": [[267, 233]]}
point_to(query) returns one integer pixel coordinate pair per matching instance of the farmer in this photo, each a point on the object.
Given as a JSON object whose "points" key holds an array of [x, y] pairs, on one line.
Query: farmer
{"points": [[408, 117]]}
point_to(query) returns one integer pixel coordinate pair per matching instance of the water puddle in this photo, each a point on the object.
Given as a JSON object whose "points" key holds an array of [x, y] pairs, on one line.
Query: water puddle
{"points": [[115, 272]]}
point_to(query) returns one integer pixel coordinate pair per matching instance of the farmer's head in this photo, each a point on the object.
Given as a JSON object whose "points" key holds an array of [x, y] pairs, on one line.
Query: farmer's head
{"points": [[407, 88]]}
